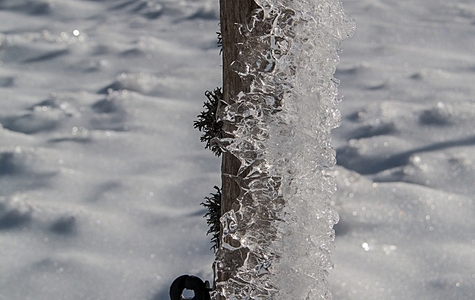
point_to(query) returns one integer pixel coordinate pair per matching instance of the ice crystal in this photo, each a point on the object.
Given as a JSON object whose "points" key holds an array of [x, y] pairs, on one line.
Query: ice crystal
{"points": [[277, 240]]}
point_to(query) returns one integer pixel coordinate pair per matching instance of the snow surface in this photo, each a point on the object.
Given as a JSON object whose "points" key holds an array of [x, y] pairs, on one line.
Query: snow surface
{"points": [[101, 172]]}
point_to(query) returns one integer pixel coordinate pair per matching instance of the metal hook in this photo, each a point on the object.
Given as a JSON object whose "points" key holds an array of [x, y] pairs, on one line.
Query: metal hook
{"points": [[190, 282]]}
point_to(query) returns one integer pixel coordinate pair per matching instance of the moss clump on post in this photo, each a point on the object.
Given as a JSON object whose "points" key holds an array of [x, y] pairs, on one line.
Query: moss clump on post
{"points": [[220, 42], [212, 129], [213, 204], [208, 124]]}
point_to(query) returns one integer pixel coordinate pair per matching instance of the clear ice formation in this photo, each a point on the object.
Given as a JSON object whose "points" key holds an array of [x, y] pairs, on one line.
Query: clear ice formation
{"points": [[279, 235]]}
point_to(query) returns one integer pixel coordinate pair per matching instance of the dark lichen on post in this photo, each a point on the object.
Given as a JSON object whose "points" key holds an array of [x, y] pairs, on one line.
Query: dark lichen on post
{"points": [[213, 204], [208, 122]]}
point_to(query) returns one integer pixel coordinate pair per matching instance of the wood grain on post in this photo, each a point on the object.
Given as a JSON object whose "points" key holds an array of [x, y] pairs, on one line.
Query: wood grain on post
{"points": [[232, 13]]}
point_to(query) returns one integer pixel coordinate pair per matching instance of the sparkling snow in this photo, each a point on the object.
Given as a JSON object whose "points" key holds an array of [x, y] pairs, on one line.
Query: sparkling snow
{"points": [[102, 173]]}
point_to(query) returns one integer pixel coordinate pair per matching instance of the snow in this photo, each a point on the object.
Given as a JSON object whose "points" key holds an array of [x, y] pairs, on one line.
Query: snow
{"points": [[102, 173], [405, 149]]}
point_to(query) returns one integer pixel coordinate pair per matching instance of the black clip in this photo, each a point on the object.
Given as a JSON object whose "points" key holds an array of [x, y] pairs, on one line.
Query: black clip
{"points": [[190, 282]]}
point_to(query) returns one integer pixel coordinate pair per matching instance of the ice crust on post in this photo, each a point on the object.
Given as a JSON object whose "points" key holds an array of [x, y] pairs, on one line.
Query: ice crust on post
{"points": [[277, 239]]}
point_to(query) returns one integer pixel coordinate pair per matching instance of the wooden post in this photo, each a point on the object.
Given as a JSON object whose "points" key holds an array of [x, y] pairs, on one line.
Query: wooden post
{"points": [[232, 13]]}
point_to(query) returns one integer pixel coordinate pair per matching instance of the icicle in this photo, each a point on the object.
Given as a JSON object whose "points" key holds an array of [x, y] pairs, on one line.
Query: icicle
{"points": [[282, 224]]}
